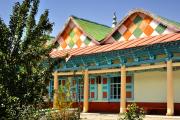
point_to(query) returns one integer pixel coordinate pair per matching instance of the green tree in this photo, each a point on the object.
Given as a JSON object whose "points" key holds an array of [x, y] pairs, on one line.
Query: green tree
{"points": [[25, 64]]}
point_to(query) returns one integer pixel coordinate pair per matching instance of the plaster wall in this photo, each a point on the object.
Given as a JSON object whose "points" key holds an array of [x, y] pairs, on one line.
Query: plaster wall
{"points": [[151, 86]]}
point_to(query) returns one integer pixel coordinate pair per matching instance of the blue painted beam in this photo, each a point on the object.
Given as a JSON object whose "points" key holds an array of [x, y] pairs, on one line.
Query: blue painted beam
{"points": [[104, 60], [176, 58]]}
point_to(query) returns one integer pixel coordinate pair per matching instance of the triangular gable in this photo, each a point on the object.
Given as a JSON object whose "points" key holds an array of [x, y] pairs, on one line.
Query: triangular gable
{"points": [[139, 24], [93, 29], [73, 36]]}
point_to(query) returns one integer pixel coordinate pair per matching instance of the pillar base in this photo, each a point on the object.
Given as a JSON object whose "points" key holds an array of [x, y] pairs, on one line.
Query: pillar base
{"points": [[169, 112], [85, 110], [122, 110]]}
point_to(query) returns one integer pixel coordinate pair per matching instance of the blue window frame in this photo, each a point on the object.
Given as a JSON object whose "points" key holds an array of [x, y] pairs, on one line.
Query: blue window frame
{"points": [[115, 88]]}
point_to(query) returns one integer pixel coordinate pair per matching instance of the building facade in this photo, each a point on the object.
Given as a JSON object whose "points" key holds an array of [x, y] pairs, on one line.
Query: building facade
{"points": [[136, 61]]}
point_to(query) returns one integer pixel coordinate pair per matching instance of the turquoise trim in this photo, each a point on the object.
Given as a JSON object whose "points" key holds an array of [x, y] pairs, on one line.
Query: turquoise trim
{"points": [[109, 88], [104, 88], [104, 60], [132, 87], [94, 90], [93, 87], [50, 90]]}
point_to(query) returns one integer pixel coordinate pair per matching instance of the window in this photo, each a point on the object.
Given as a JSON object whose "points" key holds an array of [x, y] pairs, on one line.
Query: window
{"points": [[98, 79], [81, 89], [115, 88]]}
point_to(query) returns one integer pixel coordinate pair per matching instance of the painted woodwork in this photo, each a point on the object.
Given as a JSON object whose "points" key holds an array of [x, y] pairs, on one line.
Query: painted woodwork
{"points": [[123, 90], [73, 37], [56, 91], [104, 88], [150, 107], [139, 25], [130, 57], [170, 89], [115, 70], [86, 91], [93, 88], [95, 94]]}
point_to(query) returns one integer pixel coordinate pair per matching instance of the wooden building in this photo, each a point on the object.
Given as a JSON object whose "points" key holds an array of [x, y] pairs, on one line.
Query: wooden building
{"points": [[136, 61]]}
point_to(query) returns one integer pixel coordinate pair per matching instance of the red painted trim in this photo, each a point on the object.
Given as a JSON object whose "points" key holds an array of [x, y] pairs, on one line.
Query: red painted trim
{"points": [[92, 94], [92, 81], [114, 107], [104, 94], [104, 80]]}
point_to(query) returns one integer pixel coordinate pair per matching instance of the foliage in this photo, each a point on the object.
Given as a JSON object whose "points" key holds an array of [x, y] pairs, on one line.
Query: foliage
{"points": [[133, 113], [25, 63], [65, 102], [65, 110]]}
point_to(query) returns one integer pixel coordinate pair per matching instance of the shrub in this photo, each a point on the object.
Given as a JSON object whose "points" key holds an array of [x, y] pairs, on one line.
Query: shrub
{"points": [[65, 102], [133, 113]]}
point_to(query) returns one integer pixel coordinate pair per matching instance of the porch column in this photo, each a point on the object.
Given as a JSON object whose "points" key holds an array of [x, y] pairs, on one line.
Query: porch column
{"points": [[56, 86], [86, 91], [123, 90], [170, 91]]}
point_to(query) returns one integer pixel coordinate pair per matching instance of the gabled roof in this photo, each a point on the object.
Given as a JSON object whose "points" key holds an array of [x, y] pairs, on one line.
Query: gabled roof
{"points": [[96, 30], [117, 45], [169, 23]]}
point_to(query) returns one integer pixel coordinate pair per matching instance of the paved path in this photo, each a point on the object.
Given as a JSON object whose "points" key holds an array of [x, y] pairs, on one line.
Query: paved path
{"points": [[101, 116]]}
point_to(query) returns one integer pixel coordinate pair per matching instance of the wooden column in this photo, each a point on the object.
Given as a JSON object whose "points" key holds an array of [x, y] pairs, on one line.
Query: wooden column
{"points": [[86, 91], [170, 89], [56, 86], [123, 90]]}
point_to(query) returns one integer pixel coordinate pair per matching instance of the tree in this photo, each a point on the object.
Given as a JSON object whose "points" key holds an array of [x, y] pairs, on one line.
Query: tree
{"points": [[25, 62]]}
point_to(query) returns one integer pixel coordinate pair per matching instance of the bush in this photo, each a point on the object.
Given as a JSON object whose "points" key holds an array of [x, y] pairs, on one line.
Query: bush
{"points": [[133, 113], [65, 102]]}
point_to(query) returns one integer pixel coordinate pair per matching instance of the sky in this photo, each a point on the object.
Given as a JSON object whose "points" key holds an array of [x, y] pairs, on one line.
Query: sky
{"points": [[100, 11]]}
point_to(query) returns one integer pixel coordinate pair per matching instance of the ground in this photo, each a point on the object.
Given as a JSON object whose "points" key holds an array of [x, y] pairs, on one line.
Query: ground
{"points": [[101, 116]]}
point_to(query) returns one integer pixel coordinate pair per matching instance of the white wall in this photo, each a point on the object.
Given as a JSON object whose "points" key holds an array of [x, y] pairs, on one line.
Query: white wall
{"points": [[177, 86], [151, 86]]}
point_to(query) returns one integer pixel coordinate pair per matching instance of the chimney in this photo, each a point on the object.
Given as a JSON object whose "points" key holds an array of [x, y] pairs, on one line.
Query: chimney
{"points": [[114, 22]]}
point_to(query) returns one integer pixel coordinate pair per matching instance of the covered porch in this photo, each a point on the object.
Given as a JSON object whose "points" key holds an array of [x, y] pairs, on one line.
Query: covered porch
{"points": [[121, 64]]}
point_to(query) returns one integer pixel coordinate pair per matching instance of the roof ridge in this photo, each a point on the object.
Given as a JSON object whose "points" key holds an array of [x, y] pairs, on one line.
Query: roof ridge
{"points": [[169, 20], [89, 21], [167, 23], [165, 38], [156, 16]]}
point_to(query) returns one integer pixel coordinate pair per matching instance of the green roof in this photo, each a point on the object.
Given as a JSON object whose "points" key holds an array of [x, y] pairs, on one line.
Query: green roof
{"points": [[174, 23], [95, 30]]}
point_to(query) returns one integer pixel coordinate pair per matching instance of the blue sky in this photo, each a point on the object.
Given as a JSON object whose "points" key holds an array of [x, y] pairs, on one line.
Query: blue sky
{"points": [[100, 11]]}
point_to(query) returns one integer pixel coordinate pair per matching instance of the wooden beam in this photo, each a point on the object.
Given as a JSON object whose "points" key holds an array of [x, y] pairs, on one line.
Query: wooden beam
{"points": [[146, 67], [69, 73], [177, 64], [104, 71]]}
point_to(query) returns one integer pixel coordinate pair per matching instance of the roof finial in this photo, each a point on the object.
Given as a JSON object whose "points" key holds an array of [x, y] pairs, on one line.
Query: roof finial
{"points": [[114, 22]]}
